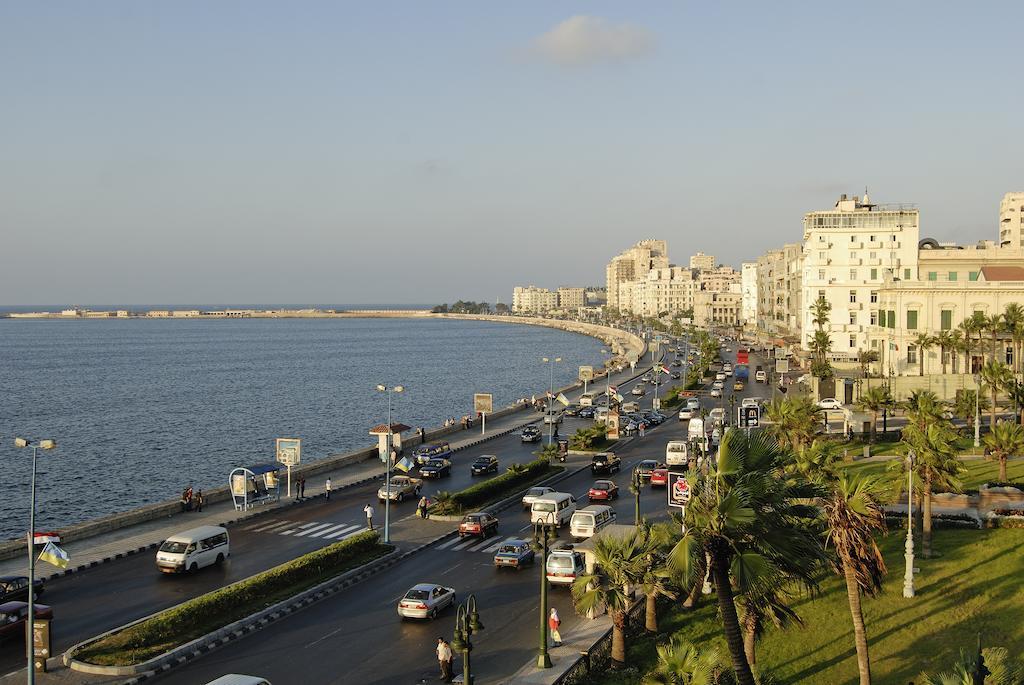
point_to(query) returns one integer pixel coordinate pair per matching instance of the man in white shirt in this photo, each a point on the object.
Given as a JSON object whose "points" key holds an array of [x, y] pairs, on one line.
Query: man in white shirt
{"points": [[444, 659], [327, 489], [368, 510]]}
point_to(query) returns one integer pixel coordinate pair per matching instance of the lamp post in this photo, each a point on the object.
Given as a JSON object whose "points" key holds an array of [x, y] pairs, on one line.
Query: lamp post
{"points": [[637, 483], [551, 391], [607, 376], [977, 410], [387, 460], [30, 622], [467, 622], [542, 534], [908, 576]]}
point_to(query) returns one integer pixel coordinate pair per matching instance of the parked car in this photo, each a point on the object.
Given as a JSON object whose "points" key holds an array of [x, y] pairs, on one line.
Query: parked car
{"points": [[530, 434], [563, 566], [436, 468], [602, 491], [533, 493], [480, 523], [16, 588], [487, 463], [425, 453], [605, 462], [425, 600], [554, 416], [515, 554], [572, 410], [401, 487], [13, 616], [659, 477], [830, 403], [646, 467], [655, 417]]}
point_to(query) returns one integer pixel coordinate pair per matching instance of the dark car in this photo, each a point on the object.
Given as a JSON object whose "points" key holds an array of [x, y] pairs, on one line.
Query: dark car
{"points": [[514, 553], [13, 615], [675, 375], [487, 463], [530, 434], [572, 410], [481, 523], [646, 467], [653, 418], [676, 362], [605, 462], [586, 412], [16, 588], [602, 491], [425, 453], [435, 468]]}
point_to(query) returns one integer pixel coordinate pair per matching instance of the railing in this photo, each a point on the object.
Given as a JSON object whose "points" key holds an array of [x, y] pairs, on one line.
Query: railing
{"points": [[599, 655]]}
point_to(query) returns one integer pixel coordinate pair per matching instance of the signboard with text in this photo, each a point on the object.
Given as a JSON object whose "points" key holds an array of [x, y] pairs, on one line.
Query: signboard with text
{"points": [[613, 425], [289, 451], [678, 490], [781, 366], [586, 373], [41, 643], [749, 417], [483, 403]]}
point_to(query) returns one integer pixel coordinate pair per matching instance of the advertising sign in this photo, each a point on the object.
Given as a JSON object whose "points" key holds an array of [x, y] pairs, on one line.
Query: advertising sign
{"points": [[586, 373], [289, 451], [781, 366], [613, 424], [40, 643], [678, 490], [483, 403], [749, 417]]}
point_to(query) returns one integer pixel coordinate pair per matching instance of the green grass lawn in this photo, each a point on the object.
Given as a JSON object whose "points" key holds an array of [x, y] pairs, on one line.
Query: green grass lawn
{"points": [[973, 587], [964, 445], [979, 471]]}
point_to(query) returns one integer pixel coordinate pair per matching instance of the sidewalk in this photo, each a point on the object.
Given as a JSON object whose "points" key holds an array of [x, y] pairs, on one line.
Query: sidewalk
{"points": [[564, 657]]}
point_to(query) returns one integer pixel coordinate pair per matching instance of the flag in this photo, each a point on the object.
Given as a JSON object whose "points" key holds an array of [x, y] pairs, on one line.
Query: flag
{"points": [[404, 465], [43, 538], [54, 555], [619, 398], [563, 399], [665, 369], [613, 389]]}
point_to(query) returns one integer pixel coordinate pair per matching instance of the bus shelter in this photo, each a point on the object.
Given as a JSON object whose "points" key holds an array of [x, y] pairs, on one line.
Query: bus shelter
{"points": [[253, 485]]}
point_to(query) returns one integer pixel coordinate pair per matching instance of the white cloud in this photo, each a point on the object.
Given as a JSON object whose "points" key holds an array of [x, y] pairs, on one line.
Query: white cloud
{"points": [[583, 40]]}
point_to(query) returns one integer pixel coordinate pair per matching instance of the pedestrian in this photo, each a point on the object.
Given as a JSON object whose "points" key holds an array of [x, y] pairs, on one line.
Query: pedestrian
{"points": [[199, 501], [422, 507], [553, 623], [327, 489], [555, 434], [444, 659], [302, 487], [643, 427], [368, 510]]}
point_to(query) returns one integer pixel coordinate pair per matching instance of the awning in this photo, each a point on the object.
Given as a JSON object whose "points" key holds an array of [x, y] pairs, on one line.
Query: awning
{"points": [[259, 469]]}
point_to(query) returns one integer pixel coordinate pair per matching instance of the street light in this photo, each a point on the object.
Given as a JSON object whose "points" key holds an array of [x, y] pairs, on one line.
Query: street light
{"points": [[551, 391], [467, 622], [908, 576], [30, 622], [542, 533], [977, 410], [387, 460], [636, 484]]}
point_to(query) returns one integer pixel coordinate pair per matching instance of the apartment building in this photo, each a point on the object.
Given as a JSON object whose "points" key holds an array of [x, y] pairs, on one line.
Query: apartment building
{"points": [[533, 300], [667, 289], [748, 288], [702, 262], [721, 279], [779, 291], [571, 298], [634, 264], [1011, 220], [712, 308]]}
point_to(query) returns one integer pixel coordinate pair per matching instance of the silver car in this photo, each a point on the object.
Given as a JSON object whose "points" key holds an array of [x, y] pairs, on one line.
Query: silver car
{"points": [[425, 600]]}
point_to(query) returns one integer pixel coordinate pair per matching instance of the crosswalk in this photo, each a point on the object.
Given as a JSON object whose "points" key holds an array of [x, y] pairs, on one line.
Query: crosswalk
{"points": [[312, 529], [487, 546]]}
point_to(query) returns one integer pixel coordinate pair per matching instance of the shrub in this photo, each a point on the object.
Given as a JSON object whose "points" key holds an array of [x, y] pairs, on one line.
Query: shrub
{"points": [[998, 484], [586, 438], [490, 490]]}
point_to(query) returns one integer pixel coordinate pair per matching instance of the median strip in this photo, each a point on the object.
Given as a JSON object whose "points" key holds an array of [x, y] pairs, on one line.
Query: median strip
{"points": [[498, 488]]}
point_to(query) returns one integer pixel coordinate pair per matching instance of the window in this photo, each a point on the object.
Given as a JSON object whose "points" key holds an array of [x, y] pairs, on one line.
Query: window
{"points": [[873, 255], [972, 275], [906, 274], [853, 318], [911, 321], [874, 296], [821, 237], [874, 318], [946, 319], [853, 238], [853, 274], [853, 256], [821, 294], [853, 296], [874, 274], [872, 238], [853, 341], [821, 274], [952, 276], [933, 276], [911, 354], [823, 255], [874, 344], [894, 237], [892, 318]]}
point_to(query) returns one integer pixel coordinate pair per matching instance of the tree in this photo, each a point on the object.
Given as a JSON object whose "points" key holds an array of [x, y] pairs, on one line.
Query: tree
{"points": [[1002, 669], [971, 327], [945, 342], [865, 358], [995, 375], [653, 577], [935, 464], [619, 561], [501, 308], [964, 405], [793, 421], [994, 325], [923, 405], [821, 342], [820, 310], [1013, 325], [682, 663], [853, 509], [924, 342], [752, 525], [1003, 441], [874, 400]]}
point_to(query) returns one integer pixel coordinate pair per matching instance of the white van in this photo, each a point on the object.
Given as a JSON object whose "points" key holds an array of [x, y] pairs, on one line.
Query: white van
{"points": [[588, 520], [556, 508], [676, 453], [236, 679], [193, 549], [717, 415], [587, 399], [695, 431], [601, 414], [630, 407]]}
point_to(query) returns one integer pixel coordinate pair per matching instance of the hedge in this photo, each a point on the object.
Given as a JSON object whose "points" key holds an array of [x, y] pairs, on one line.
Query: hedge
{"points": [[490, 490], [204, 614]]}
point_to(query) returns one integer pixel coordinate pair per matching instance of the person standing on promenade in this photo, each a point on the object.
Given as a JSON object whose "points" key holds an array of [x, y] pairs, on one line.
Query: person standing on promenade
{"points": [[199, 501], [444, 659], [422, 507], [327, 491], [368, 510], [553, 623], [302, 487], [643, 428]]}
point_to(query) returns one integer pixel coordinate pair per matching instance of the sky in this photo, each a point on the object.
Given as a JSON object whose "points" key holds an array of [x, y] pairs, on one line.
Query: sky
{"points": [[413, 152]]}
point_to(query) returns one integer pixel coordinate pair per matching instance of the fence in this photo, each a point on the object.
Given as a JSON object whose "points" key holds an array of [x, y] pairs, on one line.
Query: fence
{"points": [[599, 655]]}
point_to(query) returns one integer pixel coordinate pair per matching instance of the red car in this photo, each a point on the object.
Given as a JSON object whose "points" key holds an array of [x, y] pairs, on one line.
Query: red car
{"points": [[482, 524], [659, 477], [13, 615], [602, 491]]}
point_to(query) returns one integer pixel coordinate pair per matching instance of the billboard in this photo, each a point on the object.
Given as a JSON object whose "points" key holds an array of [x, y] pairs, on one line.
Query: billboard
{"points": [[781, 366], [289, 451], [613, 425], [586, 373], [483, 403], [678, 490]]}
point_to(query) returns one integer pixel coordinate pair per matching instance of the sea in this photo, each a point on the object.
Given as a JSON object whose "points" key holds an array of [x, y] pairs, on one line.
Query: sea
{"points": [[141, 408]]}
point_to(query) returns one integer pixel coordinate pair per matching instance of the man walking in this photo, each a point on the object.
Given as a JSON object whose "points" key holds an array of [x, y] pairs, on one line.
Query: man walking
{"points": [[444, 659], [553, 623], [302, 487], [327, 491], [368, 510], [199, 501], [643, 427]]}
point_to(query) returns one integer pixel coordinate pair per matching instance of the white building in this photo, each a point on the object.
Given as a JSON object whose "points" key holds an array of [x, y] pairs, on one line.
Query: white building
{"points": [[748, 288], [634, 264], [533, 300], [1011, 220], [847, 253], [702, 262], [667, 289], [571, 298]]}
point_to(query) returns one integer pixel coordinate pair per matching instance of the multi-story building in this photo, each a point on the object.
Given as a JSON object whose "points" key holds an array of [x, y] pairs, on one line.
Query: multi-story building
{"points": [[712, 308], [848, 251], [571, 298], [702, 262], [533, 300], [720, 279], [1011, 220], [633, 264], [666, 289], [779, 293], [748, 287]]}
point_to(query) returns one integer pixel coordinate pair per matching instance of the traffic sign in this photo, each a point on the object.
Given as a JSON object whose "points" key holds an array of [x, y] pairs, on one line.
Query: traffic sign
{"points": [[678, 489]]}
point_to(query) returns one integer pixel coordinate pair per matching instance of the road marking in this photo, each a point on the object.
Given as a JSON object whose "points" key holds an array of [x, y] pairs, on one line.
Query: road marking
{"points": [[452, 569], [317, 527], [324, 637], [328, 530], [357, 531], [480, 546], [496, 545], [451, 542], [279, 524], [345, 529], [463, 545]]}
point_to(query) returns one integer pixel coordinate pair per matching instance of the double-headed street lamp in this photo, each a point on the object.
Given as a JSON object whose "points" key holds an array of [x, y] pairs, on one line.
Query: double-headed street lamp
{"points": [[543, 531], [636, 485], [36, 445], [977, 410], [908, 575], [551, 392], [387, 460], [467, 622]]}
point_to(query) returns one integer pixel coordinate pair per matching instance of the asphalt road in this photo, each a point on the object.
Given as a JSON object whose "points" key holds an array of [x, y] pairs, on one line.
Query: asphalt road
{"points": [[357, 637], [112, 594]]}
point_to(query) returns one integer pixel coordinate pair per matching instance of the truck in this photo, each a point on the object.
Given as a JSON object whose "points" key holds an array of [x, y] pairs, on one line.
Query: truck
{"points": [[742, 356], [741, 373]]}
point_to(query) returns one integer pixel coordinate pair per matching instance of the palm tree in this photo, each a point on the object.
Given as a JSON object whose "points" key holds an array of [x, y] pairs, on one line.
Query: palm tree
{"points": [[752, 525], [682, 663], [996, 376], [945, 342], [956, 346], [971, 326], [763, 603], [1013, 324], [923, 405], [994, 325], [865, 358], [923, 341], [874, 401], [963, 405], [820, 311], [619, 561], [794, 421], [853, 509], [821, 345], [935, 463], [1004, 441], [653, 576]]}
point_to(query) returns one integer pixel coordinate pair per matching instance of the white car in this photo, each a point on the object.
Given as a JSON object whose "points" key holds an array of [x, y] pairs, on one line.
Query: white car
{"points": [[425, 600], [716, 392], [718, 385], [726, 368], [637, 391], [830, 403], [716, 415], [533, 494], [761, 377], [553, 417], [720, 376]]}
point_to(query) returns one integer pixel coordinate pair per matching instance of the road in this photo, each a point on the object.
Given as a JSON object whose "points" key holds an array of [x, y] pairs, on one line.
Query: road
{"points": [[112, 594], [356, 636]]}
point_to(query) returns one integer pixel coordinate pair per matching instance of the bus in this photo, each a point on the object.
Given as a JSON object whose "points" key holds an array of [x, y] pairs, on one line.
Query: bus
{"points": [[742, 355]]}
